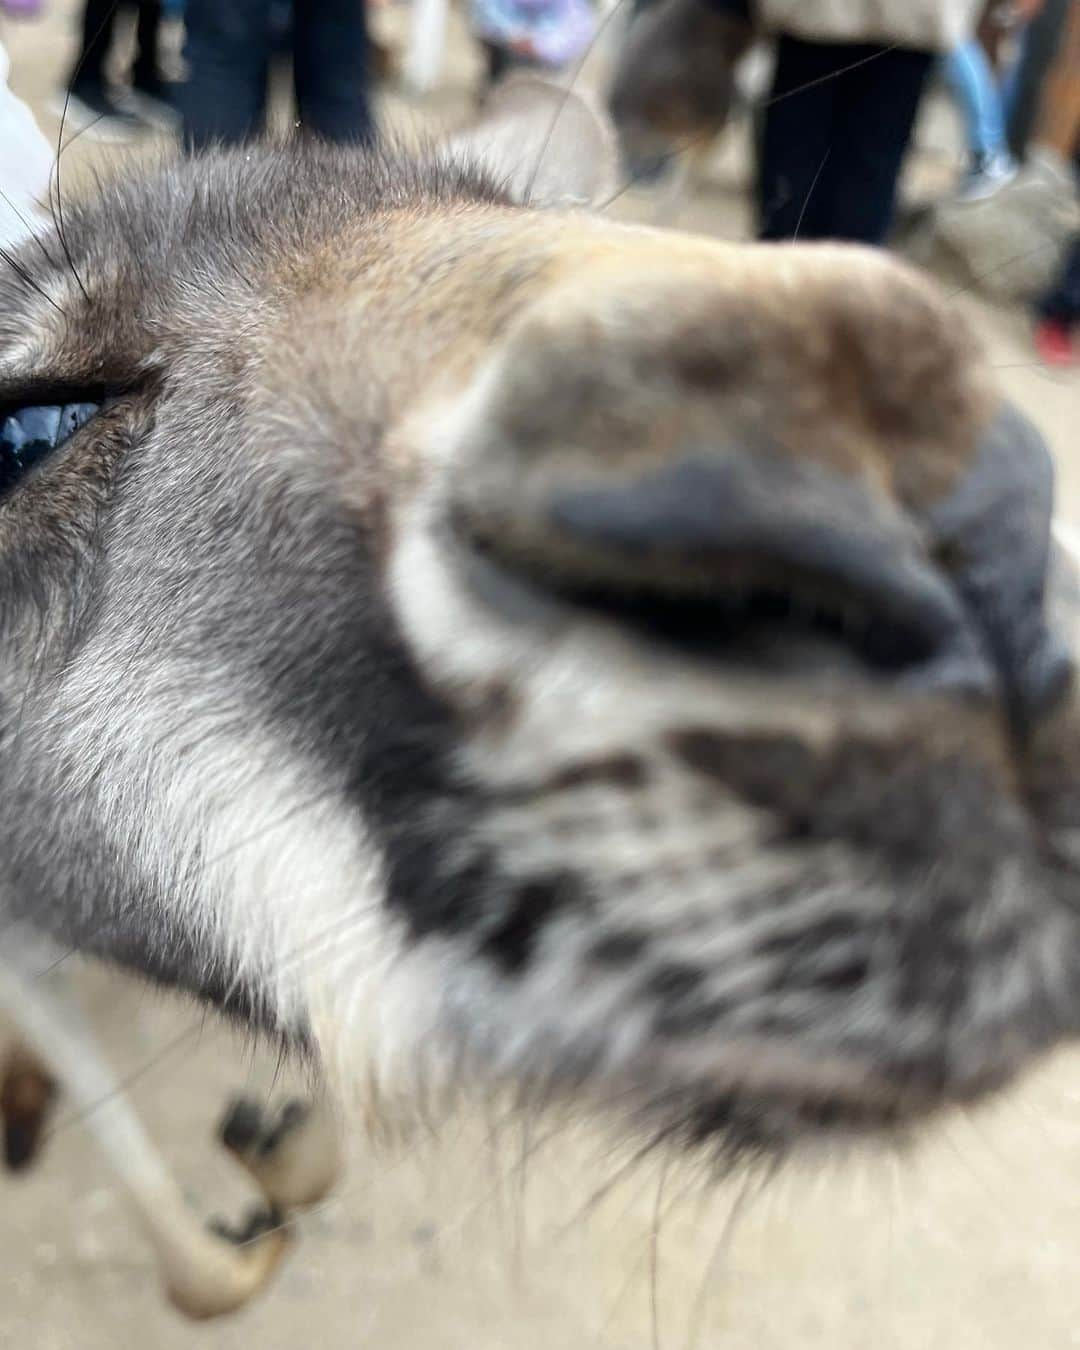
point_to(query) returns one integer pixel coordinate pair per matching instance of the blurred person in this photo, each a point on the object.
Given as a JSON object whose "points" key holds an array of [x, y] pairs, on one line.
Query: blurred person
{"points": [[848, 84], [1057, 326], [1056, 331], [1045, 37], [975, 89], [229, 48], [985, 99], [89, 104], [532, 33]]}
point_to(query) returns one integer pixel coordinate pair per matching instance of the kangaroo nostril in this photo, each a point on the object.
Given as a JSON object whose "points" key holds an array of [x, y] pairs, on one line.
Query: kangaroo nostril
{"points": [[994, 532], [745, 540]]}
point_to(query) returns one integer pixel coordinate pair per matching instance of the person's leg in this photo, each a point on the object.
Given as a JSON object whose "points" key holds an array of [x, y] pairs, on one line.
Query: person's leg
{"points": [[497, 60], [1009, 78], [1062, 304], [796, 139], [151, 97], [145, 72], [1042, 41], [228, 55], [1057, 315], [97, 30], [330, 69], [971, 81], [878, 99], [982, 105], [86, 105]]}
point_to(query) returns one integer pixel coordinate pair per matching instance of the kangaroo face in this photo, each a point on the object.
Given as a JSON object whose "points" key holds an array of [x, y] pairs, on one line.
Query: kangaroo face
{"points": [[491, 642]]}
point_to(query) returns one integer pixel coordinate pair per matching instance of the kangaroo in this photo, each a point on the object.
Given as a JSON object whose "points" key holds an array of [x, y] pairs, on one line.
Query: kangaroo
{"points": [[490, 647]]}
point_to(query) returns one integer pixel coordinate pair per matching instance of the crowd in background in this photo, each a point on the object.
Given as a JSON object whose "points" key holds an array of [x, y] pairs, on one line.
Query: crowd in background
{"points": [[829, 160]]}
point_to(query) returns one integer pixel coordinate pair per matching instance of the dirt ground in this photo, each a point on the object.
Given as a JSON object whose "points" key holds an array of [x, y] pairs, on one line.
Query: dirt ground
{"points": [[507, 1235]]}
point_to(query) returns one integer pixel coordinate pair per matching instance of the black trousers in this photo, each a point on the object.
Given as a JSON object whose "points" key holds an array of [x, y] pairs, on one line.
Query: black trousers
{"points": [[1062, 303], [501, 62], [98, 22], [228, 53], [836, 129]]}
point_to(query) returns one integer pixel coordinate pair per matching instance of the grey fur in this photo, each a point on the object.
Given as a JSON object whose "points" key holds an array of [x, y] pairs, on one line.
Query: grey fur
{"points": [[252, 667]]}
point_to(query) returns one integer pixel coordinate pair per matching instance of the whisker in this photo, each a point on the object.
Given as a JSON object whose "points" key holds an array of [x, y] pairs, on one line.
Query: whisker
{"points": [[700, 138], [654, 1256], [824, 79], [58, 212], [1060, 375], [32, 233], [582, 61], [810, 193], [1000, 267], [302, 808], [40, 975], [171, 1046], [27, 279], [752, 1186], [605, 1188]]}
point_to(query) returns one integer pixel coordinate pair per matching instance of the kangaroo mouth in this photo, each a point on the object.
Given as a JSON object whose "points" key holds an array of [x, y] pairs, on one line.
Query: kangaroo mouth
{"points": [[704, 557], [754, 618], [764, 1100]]}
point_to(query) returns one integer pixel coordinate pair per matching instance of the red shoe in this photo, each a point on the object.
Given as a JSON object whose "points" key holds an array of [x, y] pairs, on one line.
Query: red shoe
{"points": [[1054, 343]]}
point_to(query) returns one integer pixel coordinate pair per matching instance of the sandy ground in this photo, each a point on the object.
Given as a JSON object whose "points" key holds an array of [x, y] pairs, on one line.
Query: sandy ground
{"points": [[506, 1234]]}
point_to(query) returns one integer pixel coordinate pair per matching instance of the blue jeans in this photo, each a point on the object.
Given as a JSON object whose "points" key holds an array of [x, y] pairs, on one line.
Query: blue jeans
{"points": [[983, 102]]}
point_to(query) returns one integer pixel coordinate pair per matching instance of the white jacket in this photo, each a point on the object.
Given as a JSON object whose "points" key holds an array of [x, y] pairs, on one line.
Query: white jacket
{"points": [[26, 161], [926, 25]]}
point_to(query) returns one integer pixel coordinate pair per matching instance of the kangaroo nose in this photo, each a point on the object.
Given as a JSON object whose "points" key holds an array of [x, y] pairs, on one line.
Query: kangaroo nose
{"points": [[764, 537], [963, 598], [993, 532], [713, 543], [714, 498]]}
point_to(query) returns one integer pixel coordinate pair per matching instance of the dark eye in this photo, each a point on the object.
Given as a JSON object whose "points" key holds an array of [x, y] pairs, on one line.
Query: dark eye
{"points": [[27, 435]]}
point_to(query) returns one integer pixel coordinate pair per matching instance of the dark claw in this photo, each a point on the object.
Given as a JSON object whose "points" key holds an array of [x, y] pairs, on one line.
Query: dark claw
{"points": [[243, 1125], [260, 1219], [292, 1114]]}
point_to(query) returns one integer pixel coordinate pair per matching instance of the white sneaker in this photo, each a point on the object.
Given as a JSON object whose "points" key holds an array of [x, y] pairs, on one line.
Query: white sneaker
{"points": [[149, 109], [987, 176]]}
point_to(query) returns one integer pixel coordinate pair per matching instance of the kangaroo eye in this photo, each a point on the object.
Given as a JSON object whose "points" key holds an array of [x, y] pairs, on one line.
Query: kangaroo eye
{"points": [[27, 435]]}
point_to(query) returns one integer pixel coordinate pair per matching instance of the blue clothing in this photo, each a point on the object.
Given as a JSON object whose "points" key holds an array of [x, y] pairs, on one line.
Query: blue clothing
{"points": [[985, 102], [971, 79], [551, 32]]}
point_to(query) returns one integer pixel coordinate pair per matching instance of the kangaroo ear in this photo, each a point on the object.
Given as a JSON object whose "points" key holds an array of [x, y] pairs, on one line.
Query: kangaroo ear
{"points": [[546, 144]]}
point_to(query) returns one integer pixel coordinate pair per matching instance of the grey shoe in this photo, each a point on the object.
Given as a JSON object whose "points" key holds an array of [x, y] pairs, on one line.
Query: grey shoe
{"points": [[90, 111], [152, 108]]}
